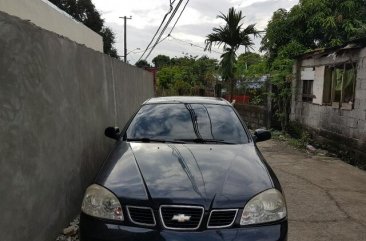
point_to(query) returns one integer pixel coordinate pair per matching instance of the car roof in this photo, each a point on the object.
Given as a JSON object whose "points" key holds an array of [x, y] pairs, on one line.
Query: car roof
{"points": [[187, 100]]}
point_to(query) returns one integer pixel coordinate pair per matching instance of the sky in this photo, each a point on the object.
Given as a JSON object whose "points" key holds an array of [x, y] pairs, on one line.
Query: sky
{"points": [[196, 22]]}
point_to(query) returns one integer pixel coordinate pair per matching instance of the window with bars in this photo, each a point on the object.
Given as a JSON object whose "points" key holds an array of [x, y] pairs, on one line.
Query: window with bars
{"points": [[307, 90]]}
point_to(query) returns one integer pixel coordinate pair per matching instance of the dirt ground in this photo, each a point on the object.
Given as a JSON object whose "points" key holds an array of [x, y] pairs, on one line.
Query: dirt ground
{"points": [[326, 197]]}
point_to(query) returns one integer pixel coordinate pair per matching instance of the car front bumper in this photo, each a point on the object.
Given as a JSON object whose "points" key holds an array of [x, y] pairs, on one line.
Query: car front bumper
{"points": [[92, 229]]}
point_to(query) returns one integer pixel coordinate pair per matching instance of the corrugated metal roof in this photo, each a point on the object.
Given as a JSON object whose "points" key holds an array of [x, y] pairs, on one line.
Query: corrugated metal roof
{"points": [[353, 44]]}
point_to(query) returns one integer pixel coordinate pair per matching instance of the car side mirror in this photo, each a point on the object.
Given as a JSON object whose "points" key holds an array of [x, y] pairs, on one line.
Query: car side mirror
{"points": [[261, 135], [112, 132]]}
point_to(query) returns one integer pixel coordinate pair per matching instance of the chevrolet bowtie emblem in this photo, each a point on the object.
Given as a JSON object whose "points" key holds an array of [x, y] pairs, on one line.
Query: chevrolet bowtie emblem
{"points": [[181, 218]]}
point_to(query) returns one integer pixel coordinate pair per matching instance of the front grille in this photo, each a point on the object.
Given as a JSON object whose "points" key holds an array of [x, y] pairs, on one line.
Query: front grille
{"points": [[141, 215], [222, 218], [181, 217]]}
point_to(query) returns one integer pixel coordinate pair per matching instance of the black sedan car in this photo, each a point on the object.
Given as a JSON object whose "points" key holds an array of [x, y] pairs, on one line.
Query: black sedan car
{"points": [[184, 169]]}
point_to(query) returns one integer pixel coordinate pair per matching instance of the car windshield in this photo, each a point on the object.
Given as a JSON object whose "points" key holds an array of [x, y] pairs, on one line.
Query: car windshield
{"points": [[200, 123]]}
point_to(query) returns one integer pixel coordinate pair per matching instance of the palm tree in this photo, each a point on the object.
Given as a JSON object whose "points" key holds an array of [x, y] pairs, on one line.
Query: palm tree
{"points": [[232, 35]]}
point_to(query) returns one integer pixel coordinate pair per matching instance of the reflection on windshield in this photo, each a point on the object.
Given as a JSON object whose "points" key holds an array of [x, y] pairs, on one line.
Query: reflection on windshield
{"points": [[187, 121]]}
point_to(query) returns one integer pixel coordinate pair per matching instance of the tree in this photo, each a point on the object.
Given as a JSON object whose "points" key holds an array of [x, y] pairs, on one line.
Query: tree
{"points": [[182, 87], [205, 69], [231, 36], [84, 11], [108, 42], [315, 24], [249, 59], [311, 24], [69, 6], [88, 15], [166, 76], [185, 74], [250, 65], [161, 61], [142, 64]]}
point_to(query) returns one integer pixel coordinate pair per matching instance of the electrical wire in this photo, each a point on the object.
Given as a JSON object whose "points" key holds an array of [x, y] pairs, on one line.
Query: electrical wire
{"points": [[171, 30], [180, 40], [159, 40], [192, 44], [157, 31], [165, 27], [184, 8], [138, 52]]}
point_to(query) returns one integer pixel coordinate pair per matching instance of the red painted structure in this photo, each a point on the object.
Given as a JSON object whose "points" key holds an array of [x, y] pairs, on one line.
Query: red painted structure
{"points": [[239, 99], [154, 71]]}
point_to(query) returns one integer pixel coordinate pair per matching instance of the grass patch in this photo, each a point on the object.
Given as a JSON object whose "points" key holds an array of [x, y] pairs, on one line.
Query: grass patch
{"points": [[299, 143], [299, 138]]}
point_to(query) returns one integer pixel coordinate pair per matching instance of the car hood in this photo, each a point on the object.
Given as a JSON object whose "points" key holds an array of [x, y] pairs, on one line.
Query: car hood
{"points": [[218, 176]]}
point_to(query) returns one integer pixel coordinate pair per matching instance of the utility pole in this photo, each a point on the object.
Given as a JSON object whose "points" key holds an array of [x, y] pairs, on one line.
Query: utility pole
{"points": [[125, 33]]}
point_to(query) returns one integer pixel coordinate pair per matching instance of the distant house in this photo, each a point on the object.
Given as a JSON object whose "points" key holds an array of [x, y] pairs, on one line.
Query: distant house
{"points": [[329, 96]]}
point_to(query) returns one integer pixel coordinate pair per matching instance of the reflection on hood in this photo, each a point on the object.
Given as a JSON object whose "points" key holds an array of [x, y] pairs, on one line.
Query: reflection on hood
{"points": [[222, 176]]}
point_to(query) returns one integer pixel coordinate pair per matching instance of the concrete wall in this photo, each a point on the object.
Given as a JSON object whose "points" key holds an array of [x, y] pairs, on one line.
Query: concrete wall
{"points": [[56, 98], [339, 127], [254, 116], [45, 15]]}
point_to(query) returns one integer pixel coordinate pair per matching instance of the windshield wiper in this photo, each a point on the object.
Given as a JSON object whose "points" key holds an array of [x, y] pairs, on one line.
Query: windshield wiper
{"points": [[201, 140], [149, 140]]}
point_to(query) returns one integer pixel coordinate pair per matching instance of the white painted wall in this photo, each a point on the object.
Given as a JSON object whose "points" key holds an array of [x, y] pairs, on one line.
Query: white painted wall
{"points": [[47, 16], [306, 73], [318, 85]]}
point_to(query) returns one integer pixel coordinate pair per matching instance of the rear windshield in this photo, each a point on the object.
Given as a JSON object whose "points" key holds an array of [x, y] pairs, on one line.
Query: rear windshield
{"points": [[187, 121]]}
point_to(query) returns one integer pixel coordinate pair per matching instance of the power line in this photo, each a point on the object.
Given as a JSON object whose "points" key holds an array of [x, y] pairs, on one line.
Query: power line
{"points": [[138, 52], [192, 44], [159, 40], [195, 45], [157, 31], [179, 17], [165, 27], [180, 40]]}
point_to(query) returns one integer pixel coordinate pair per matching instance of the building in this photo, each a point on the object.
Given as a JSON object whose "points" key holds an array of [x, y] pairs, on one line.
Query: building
{"points": [[329, 97]]}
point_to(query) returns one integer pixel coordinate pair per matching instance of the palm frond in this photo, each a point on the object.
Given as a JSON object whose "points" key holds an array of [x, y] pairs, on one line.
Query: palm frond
{"points": [[231, 35], [251, 30]]}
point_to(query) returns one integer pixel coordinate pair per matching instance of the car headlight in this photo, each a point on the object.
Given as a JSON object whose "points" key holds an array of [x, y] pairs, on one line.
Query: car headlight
{"points": [[101, 203], [268, 206]]}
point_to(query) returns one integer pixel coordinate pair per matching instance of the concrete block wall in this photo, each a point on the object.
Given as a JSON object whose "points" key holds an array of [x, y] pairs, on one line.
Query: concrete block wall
{"points": [[254, 116], [347, 127], [56, 98]]}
